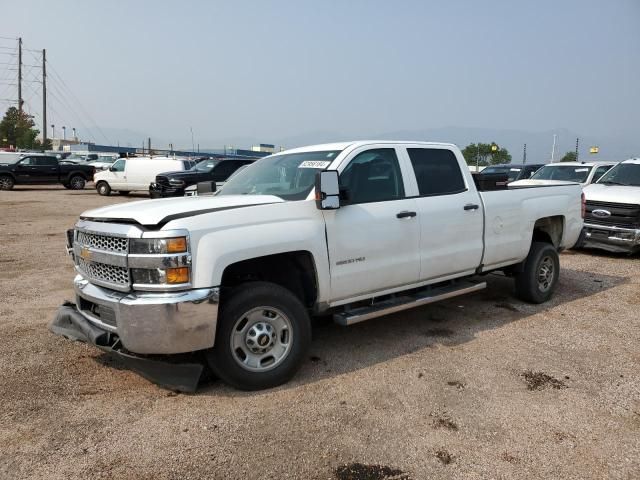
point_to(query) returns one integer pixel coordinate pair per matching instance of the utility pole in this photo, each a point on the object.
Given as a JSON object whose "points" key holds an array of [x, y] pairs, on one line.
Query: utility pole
{"points": [[553, 148], [524, 155], [149, 140], [44, 99], [20, 74], [577, 144]]}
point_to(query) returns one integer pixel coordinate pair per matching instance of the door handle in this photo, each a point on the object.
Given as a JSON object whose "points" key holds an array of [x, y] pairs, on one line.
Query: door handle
{"points": [[406, 214], [471, 206]]}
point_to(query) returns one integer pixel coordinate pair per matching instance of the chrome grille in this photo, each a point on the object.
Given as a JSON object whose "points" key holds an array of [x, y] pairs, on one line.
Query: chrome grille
{"points": [[103, 242], [104, 273]]}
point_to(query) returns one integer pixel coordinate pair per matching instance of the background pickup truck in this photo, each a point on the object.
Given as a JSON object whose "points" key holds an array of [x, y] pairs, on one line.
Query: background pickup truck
{"points": [[612, 219], [44, 169], [354, 230], [173, 184]]}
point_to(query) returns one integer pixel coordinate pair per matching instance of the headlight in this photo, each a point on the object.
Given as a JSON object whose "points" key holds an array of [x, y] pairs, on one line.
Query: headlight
{"points": [[158, 276], [158, 245]]}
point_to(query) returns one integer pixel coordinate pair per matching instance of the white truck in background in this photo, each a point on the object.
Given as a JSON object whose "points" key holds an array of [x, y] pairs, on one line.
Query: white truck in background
{"points": [[357, 230]]}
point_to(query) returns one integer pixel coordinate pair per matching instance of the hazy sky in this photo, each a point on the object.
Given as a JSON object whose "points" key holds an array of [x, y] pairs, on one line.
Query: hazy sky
{"points": [[270, 69]]}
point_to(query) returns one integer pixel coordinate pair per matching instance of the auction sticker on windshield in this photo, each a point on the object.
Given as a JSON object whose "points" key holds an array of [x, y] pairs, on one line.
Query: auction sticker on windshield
{"points": [[314, 164]]}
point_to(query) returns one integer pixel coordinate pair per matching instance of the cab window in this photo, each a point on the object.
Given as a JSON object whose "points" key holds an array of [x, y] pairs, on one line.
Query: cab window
{"points": [[437, 171], [118, 166], [600, 171], [373, 176], [27, 161]]}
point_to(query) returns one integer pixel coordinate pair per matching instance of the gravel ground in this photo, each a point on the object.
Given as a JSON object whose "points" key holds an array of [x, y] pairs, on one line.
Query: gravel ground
{"points": [[476, 387]]}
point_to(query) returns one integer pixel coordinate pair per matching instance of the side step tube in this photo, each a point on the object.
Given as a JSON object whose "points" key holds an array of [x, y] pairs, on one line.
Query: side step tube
{"points": [[398, 304]]}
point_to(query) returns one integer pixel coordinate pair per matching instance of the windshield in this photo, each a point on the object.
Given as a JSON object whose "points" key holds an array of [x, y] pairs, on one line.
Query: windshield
{"points": [[512, 172], [567, 173], [289, 176], [205, 166], [627, 174]]}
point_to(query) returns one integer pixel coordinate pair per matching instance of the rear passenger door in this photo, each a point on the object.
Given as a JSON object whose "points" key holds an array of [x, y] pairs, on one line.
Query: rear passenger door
{"points": [[373, 237], [450, 213], [48, 168]]}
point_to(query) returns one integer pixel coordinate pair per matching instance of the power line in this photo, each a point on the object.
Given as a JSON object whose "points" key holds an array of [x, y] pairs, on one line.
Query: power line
{"points": [[88, 116]]}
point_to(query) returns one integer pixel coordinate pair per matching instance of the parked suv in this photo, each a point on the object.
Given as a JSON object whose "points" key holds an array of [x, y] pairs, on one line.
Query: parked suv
{"points": [[173, 184]]}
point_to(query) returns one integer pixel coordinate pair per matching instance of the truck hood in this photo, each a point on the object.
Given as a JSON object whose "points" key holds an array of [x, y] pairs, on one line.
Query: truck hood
{"points": [[534, 183], [599, 192], [159, 212]]}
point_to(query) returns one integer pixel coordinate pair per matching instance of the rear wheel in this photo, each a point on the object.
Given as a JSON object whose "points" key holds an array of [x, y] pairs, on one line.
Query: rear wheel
{"points": [[6, 182], [262, 336], [539, 278], [77, 182], [103, 188]]}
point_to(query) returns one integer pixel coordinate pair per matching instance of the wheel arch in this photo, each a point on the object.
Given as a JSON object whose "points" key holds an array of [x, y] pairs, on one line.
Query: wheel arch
{"points": [[549, 230], [294, 270]]}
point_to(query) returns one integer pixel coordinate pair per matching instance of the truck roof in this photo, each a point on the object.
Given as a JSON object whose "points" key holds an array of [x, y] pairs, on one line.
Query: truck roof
{"points": [[585, 164], [361, 143]]}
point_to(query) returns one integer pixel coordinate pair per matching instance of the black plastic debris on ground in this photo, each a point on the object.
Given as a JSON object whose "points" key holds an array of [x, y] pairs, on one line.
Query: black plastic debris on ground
{"points": [[359, 471], [540, 381]]}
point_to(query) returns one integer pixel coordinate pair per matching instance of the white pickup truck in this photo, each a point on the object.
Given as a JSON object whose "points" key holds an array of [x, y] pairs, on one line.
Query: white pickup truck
{"points": [[356, 230]]}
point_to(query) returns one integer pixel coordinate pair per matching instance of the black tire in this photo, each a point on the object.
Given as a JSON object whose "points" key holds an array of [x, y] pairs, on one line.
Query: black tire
{"points": [[66, 185], [250, 299], [154, 194], [539, 278], [123, 192], [77, 182], [103, 188], [6, 182]]}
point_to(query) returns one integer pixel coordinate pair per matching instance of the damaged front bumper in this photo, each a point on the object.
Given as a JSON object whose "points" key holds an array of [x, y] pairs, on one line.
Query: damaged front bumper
{"points": [[611, 238], [144, 329], [167, 372]]}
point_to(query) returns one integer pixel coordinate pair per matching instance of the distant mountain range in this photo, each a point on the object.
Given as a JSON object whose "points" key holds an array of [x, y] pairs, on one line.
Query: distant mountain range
{"points": [[538, 143]]}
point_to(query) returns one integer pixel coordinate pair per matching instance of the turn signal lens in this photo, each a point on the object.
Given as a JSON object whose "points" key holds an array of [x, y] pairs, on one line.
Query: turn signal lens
{"points": [[177, 245], [178, 275]]}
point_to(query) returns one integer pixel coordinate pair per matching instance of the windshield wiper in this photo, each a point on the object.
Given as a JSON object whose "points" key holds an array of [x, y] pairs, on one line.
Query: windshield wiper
{"points": [[611, 182]]}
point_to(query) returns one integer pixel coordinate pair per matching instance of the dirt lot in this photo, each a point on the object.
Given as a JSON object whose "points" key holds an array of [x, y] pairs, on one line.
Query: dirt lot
{"points": [[477, 387]]}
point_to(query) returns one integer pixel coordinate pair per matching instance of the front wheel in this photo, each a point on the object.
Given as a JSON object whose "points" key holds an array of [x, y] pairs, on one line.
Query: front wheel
{"points": [[6, 182], [262, 336], [539, 278], [103, 188]]}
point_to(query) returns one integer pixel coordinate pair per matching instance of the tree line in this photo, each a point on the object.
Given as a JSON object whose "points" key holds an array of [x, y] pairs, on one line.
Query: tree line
{"points": [[17, 130]]}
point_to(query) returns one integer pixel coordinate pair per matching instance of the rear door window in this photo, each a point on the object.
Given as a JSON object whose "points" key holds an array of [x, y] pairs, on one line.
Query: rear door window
{"points": [[225, 169], [437, 171]]}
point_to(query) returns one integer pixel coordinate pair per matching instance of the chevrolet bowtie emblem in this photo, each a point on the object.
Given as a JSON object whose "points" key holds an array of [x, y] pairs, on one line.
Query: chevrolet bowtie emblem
{"points": [[85, 254]]}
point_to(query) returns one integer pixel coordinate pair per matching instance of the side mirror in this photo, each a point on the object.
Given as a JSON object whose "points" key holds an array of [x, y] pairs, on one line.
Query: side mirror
{"points": [[327, 190], [111, 169], [205, 188]]}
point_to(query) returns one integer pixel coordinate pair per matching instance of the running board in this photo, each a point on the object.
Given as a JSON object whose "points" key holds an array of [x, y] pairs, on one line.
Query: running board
{"points": [[397, 304]]}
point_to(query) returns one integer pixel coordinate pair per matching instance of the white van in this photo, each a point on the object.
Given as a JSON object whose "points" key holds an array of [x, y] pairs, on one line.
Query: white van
{"points": [[131, 174]]}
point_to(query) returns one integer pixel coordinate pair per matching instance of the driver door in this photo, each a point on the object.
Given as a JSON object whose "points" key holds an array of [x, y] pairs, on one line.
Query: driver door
{"points": [[26, 170], [118, 178], [374, 238]]}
